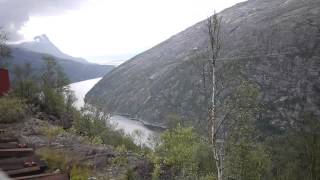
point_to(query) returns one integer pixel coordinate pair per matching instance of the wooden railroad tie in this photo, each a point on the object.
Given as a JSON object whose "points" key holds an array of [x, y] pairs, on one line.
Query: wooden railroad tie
{"points": [[23, 162], [12, 145], [8, 140], [15, 152], [47, 176], [23, 171], [20, 162]]}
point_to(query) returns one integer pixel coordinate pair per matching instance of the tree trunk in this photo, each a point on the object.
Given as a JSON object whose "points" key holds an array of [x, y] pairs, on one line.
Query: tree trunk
{"points": [[214, 33]]}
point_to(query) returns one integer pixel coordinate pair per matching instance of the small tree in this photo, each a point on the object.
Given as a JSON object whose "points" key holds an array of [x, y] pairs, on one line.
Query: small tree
{"points": [[246, 158], [177, 149], [183, 154], [53, 75], [25, 85], [56, 97], [4, 48]]}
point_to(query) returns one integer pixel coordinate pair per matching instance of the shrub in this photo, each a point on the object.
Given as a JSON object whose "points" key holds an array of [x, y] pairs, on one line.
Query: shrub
{"points": [[52, 132], [55, 159], [156, 172], [184, 153], [177, 148], [25, 85], [12, 109], [53, 101], [91, 123], [118, 138], [130, 175], [49, 91], [120, 160], [79, 173], [66, 162]]}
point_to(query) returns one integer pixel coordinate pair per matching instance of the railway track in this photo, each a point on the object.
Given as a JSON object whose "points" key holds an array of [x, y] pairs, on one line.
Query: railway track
{"points": [[19, 162]]}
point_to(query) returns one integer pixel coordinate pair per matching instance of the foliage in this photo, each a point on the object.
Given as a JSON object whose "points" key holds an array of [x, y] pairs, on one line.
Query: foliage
{"points": [[94, 124], [121, 149], [96, 141], [50, 91], [130, 175], [56, 159], [293, 153], [177, 148], [181, 149], [25, 85], [120, 161], [12, 109], [52, 101], [53, 131], [173, 121], [203, 153], [53, 86], [296, 152], [79, 173], [52, 75], [5, 50], [246, 157], [65, 161], [156, 171], [247, 161]]}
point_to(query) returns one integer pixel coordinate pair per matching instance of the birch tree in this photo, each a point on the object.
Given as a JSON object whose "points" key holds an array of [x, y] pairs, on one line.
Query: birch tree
{"points": [[214, 24]]}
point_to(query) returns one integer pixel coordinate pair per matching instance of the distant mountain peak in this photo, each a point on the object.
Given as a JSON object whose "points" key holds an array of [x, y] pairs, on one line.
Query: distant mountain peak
{"points": [[42, 39], [42, 44]]}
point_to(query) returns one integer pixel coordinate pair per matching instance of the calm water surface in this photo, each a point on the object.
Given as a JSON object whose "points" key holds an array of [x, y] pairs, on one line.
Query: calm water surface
{"points": [[127, 125]]}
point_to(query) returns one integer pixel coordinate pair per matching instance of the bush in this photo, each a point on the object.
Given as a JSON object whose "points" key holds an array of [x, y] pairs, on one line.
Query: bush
{"points": [[12, 109], [25, 85], [91, 123], [53, 132], [49, 91], [79, 173], [184, 153], [66, 162], [55, 159], [120, 160], [53, 102]]}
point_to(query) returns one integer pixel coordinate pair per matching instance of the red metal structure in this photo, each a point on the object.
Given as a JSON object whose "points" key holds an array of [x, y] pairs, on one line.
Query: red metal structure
{"points": [[4, 81]]}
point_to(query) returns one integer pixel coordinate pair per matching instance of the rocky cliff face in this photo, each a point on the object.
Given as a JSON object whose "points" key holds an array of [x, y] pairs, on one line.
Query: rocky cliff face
{"points": [[274, 44]]}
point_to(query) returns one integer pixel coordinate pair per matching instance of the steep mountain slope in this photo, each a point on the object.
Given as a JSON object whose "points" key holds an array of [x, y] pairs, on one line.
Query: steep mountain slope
{"points": [[274, 44], [75, 71], [42, 44]]}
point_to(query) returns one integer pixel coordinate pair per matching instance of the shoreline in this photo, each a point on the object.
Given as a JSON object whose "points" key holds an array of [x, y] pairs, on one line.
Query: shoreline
{"points": [[151, 126]]}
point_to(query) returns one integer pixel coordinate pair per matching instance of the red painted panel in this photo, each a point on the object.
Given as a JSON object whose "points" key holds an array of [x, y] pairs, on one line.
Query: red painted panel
{"points": [[4, 81]]}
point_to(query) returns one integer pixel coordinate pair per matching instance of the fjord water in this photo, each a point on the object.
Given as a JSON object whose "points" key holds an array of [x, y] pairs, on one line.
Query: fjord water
{"points": [[127, 125]]}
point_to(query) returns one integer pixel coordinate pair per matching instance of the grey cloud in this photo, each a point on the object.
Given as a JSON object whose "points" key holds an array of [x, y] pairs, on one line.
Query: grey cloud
{"points": [[15, 13]]}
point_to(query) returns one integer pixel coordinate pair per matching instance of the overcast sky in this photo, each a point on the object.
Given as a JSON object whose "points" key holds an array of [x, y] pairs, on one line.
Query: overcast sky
{"points": [[104, 29]]}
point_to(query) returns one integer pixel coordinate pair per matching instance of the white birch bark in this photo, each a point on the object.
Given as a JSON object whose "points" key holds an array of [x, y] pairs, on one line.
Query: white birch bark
{"points": [[214, 34]]}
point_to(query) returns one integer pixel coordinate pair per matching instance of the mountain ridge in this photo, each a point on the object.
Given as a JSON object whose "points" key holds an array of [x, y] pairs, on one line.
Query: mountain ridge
{"points": [[33, 52], [166, 79], [74, 70], [42, 44]]}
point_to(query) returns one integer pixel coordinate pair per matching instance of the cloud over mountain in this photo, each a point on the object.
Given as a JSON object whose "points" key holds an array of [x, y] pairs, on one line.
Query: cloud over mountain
{"points": [[15, 13]]}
